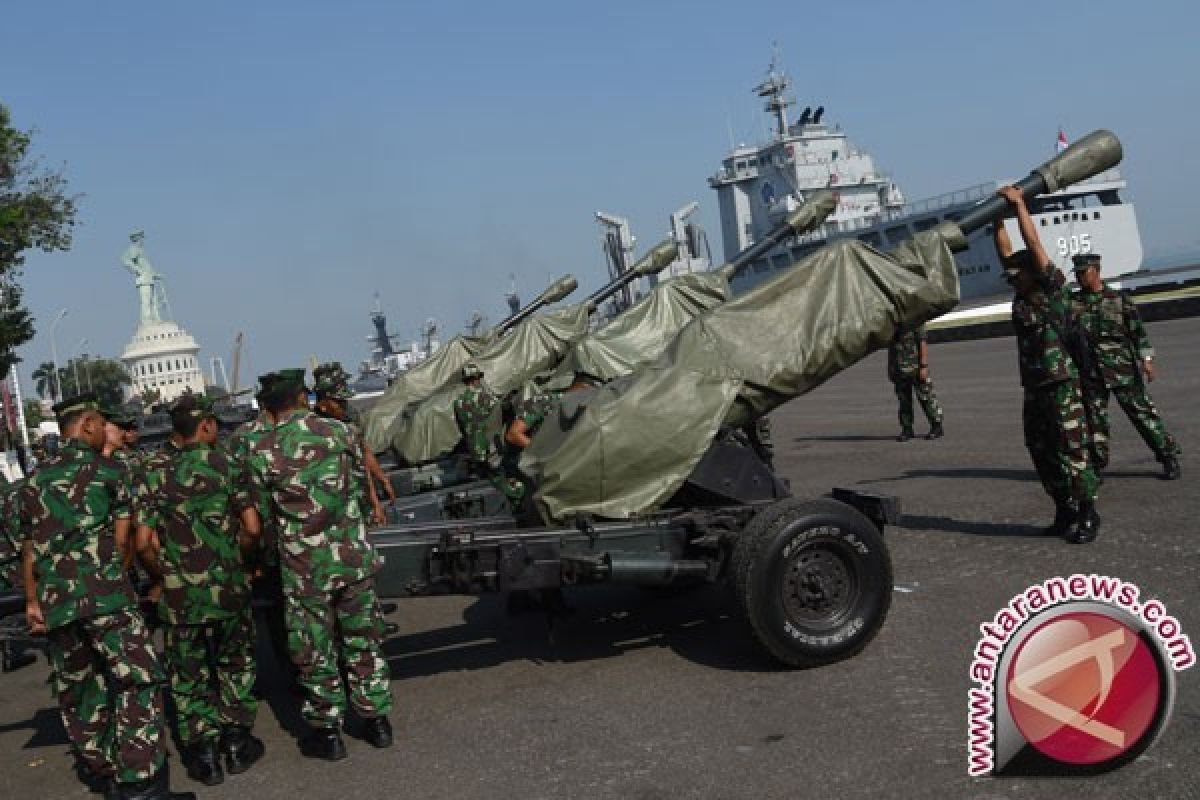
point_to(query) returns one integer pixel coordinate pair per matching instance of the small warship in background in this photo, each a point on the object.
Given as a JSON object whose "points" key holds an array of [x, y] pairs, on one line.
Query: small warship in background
{"points": [[388, 357]]}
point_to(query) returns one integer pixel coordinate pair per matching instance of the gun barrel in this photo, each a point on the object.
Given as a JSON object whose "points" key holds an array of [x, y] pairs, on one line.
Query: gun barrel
{"points": [[659, 257], [1091, 155], [819, 205], [555, 292]]}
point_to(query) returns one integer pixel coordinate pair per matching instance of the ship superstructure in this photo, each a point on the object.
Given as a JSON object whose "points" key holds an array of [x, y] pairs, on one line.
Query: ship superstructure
{"points": [[757, 186]]}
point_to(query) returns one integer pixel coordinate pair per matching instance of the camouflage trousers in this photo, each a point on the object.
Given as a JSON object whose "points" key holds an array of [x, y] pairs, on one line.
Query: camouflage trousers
{"points": [[106, 678], [329, 632], [1136, 403], [1056, 435], [211, 672], [905, 388]]}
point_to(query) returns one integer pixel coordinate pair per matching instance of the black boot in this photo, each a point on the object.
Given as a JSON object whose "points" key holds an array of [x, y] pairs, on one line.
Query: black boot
{"points": [[96, 784], [905, 435], [11, 659], [378, 732], [241, 750], [1065, 515], [202, 763], [1171, 469], [156, 788], [1088, 525], [323, 743], [936, 431]]}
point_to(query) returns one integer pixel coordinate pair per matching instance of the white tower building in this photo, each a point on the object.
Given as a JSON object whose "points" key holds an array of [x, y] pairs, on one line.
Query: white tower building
{"points": [[162, 355]]}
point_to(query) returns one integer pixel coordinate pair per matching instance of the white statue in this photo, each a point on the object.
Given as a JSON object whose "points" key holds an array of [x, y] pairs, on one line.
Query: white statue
{"points": [[145, 277]]}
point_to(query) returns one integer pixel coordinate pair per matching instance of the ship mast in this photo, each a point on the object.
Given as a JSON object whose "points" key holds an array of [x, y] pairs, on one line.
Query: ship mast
{"points": [[774, 89]]}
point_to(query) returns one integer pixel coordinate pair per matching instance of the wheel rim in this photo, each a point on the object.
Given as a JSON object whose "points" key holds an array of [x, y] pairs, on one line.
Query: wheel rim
{"points": [[820, 585]]}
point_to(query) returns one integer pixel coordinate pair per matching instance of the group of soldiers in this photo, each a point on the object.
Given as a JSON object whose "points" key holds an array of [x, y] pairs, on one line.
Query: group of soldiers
{"points": [[280, 507], [1075, 349]]}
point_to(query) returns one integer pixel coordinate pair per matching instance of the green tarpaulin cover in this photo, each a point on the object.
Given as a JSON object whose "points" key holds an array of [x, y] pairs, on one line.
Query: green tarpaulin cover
{"points": [[424, 430], [418, 383], [626, 448], [642, 331]]}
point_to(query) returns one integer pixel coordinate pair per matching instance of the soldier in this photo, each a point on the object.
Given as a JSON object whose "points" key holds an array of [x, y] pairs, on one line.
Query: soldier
{"points": [[333, 401], [12, 654], [526, 422], [268, 583], [75, 513], [1056, 431], [908, 370], [473, 410], [1119, 346], [188, 540], [310, 467]]}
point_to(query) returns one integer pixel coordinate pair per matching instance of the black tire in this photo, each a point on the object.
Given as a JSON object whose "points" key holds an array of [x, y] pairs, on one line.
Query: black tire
{"points": [[813, 579]]}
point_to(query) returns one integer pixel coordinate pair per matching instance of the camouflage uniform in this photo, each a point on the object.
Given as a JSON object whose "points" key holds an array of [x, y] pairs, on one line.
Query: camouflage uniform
{"points": [[1056, 431], [473, 413], [311, 467], [904, 371], [1119, 344], [190, 499], [10, 539], [106, 674], [533, 413]]}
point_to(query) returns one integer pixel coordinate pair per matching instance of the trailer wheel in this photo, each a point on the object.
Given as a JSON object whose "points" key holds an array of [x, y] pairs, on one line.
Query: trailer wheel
{"points": [[813, 579]]}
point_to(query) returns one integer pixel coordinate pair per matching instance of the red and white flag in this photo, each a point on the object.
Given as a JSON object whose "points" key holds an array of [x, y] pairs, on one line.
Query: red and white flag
{"points": [[1061, 144]]}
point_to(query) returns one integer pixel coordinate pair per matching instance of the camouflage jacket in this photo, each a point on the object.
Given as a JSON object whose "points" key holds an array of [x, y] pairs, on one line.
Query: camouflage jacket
{"points": [[10, 538], [312, 470], [1115, 332], [190, 496], [237, 447], [473, 412], [68, 510], [1037, 321], [904, 354], [533, 412]]}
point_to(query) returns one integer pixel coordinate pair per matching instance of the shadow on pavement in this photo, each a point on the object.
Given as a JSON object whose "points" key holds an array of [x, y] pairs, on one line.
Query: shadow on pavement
{"points": [[46, 726], [985, 473], [848, 438], [699, 624], [969, 527]]}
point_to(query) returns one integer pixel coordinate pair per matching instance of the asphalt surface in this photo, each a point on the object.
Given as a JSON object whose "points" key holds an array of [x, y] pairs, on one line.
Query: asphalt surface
{"points": [[643, 696]]}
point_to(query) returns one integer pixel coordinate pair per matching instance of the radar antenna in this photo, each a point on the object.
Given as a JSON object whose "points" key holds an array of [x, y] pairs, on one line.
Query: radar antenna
{"points": [[774, 89], [511, 297]]}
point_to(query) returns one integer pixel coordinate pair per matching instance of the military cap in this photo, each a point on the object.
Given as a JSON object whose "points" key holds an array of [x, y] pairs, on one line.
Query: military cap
{"points": [[1084, 260], [191, 404], [73, 405], [329, 384], [289, 378], [470, 371], [331, 368]]}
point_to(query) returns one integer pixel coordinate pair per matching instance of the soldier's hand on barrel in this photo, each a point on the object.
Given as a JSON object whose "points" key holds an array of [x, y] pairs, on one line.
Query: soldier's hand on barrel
{"points": [[33, 615], [923, 374], [1148, 368], [1012, 194], [378, 516]]}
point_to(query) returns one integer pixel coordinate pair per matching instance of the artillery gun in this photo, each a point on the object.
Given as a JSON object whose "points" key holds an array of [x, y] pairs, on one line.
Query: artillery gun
{"points": [[444, 366], [813, 578], [636, 336]]}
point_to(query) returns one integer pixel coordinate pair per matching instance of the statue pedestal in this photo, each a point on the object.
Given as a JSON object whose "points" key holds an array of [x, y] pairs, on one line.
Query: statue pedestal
{"points": [[162, 356]]}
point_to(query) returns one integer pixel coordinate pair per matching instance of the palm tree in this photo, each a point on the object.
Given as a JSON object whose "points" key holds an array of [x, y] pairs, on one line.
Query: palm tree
{"points": [[45, 379]]}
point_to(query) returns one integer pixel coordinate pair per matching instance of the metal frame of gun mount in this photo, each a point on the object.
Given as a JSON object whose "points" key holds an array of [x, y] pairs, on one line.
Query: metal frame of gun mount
{"points": [[813, 578]]}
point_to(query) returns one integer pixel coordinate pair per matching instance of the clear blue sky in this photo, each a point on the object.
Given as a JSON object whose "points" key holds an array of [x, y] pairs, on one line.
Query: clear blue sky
{"points": [[287, 159]]}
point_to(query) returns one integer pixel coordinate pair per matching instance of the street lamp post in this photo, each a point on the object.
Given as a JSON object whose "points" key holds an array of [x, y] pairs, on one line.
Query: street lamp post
{"points": [[75, 363], [54, 355]]}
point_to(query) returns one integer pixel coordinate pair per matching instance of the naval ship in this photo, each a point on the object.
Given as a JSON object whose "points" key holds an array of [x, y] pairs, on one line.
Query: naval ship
{"points": [[756, 186]]}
